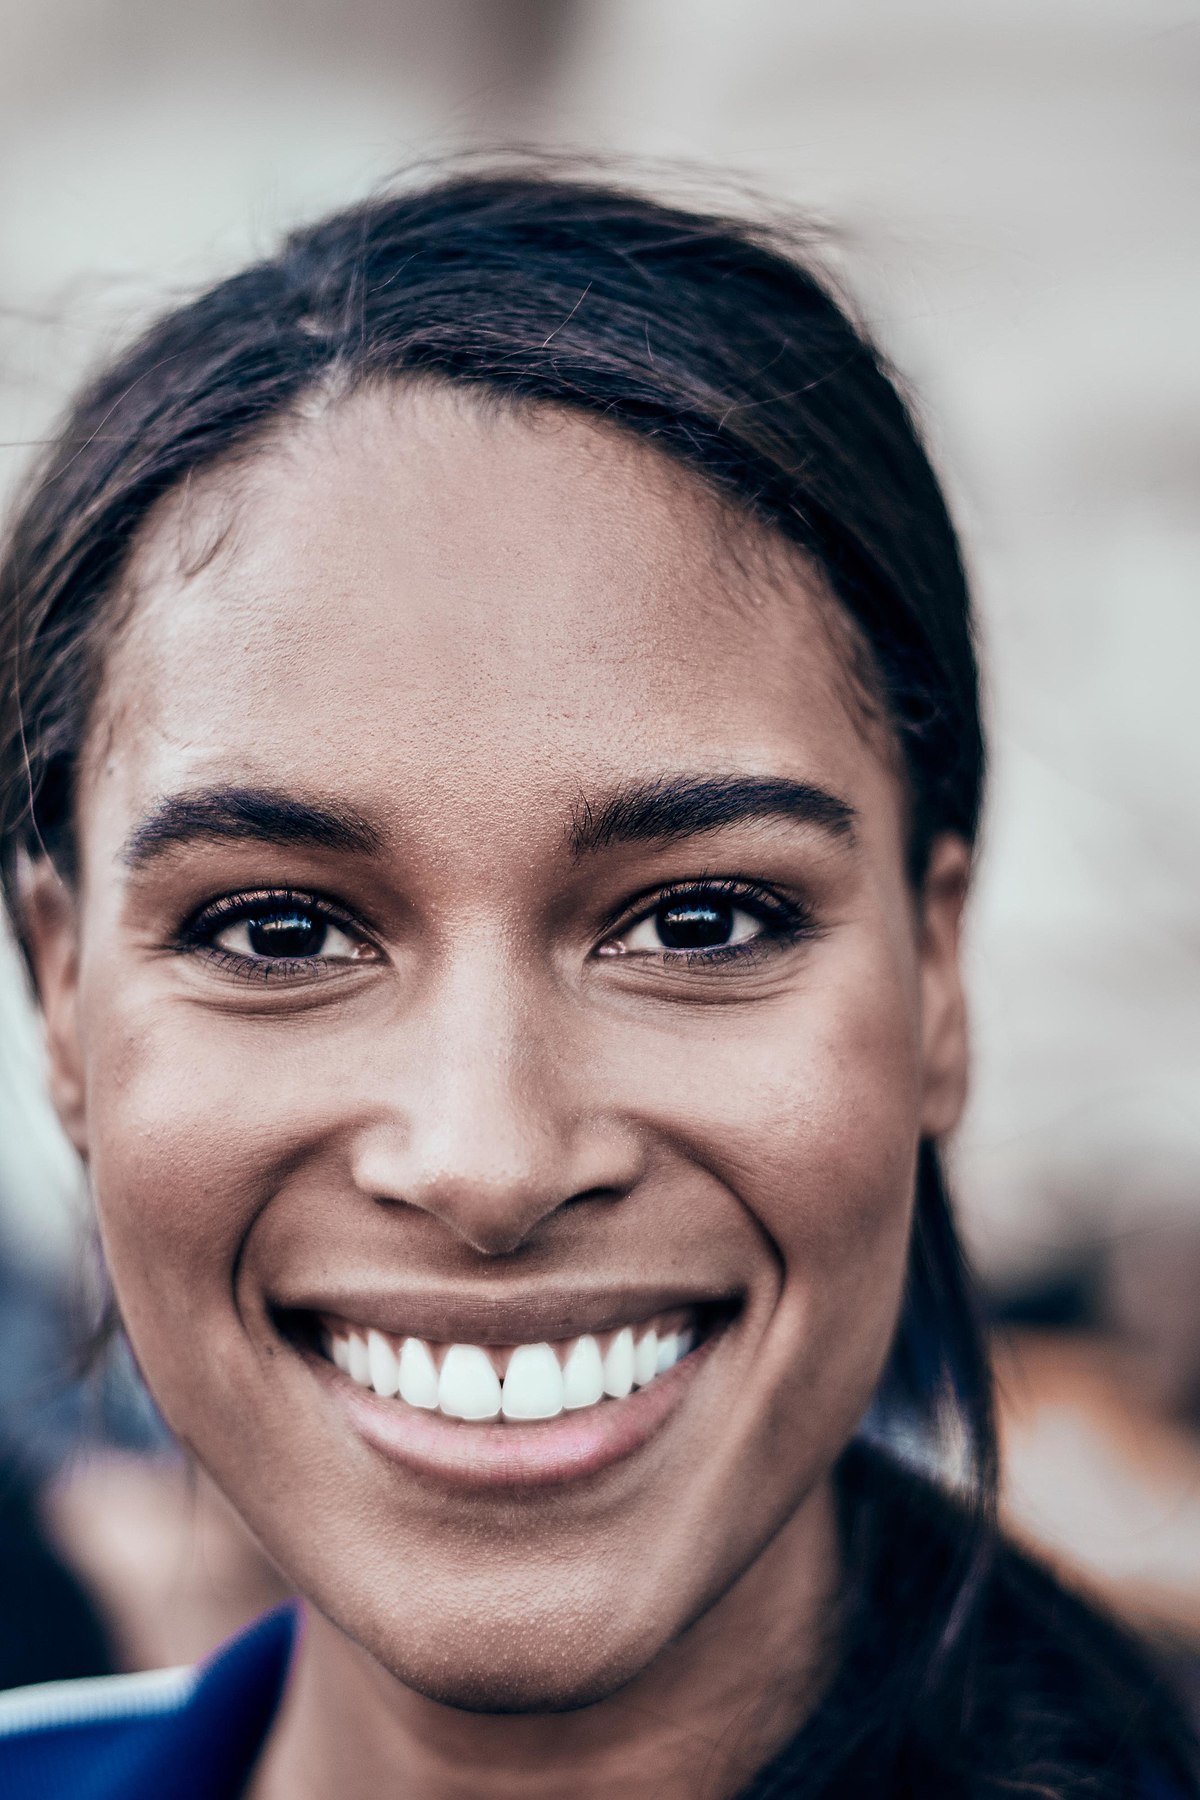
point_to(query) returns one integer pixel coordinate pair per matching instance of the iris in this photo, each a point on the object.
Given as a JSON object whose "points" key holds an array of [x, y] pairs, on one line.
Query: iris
{"points": [[286, 934], [694, 924]]}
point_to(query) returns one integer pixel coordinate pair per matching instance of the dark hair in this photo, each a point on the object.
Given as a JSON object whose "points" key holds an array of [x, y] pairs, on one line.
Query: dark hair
{"points": [[708, 337], [699, 334]]}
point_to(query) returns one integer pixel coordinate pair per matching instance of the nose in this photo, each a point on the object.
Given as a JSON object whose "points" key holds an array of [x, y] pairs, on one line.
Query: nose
{"points": [[488, 1122]]}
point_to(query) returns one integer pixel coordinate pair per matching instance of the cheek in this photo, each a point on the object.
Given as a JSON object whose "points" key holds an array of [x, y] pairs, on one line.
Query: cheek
{"points": [[191, 1127], [807, 1103], [807, 1112]]}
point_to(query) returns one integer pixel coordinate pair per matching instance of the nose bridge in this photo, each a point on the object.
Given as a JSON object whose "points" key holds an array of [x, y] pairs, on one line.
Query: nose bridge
{"points": [[484, 1118], [482, 1123]]}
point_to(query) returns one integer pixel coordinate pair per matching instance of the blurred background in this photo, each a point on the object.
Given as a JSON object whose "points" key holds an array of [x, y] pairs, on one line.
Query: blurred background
{"points": [[1009, 186]]}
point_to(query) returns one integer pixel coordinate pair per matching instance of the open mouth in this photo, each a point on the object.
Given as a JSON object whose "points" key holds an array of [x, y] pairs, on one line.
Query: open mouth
{"points": [[522, 1383]]}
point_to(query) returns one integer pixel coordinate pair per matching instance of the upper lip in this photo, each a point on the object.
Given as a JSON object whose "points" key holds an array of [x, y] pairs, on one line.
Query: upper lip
{"points": [[500, 1316]]}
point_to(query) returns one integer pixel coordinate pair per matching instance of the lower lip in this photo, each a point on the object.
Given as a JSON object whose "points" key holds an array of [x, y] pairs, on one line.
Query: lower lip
{"points": [[549, 1453]]}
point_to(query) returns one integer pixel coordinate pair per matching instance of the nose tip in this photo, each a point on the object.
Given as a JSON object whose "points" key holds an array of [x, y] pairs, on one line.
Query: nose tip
{"points": [[495, 1203], [484, 1109]]}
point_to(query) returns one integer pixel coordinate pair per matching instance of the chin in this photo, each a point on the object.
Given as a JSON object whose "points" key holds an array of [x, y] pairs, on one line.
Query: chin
{"points": [[551, 1681], [524, 1693]]}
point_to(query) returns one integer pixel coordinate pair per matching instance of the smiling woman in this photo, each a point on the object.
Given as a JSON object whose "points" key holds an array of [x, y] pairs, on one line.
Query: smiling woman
{"points": [[491, 759]]}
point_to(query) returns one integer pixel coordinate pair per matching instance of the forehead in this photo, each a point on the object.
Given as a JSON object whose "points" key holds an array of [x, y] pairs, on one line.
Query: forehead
{"points": [[408, 593]]}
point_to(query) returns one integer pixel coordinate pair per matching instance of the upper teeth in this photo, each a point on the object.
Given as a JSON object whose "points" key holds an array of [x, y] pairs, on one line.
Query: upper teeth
{"points": [[532, 1381]]}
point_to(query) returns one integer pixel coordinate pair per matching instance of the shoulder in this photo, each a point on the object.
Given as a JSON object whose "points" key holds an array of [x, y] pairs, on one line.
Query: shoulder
{"points": [[193, 1733], [60, 1734]]}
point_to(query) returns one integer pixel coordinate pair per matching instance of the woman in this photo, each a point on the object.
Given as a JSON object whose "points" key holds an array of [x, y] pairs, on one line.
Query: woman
{"points": [[491, 761]]}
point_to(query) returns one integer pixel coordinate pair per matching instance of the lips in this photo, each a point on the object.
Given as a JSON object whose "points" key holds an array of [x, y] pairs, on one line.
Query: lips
{"points": [[490, 1391], [519, 1382]]}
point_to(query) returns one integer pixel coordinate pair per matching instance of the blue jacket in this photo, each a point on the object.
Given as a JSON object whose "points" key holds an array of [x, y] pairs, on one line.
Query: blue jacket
{"points": [[177, 1734]]}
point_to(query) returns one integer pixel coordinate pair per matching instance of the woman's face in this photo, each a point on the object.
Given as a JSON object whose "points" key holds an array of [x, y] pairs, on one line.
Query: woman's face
{"points": [[492, 931]]}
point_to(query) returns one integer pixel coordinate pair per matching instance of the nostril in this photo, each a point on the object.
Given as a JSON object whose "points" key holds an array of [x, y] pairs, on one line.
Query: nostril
{"points": [[601, 1195], [494, 1180]]}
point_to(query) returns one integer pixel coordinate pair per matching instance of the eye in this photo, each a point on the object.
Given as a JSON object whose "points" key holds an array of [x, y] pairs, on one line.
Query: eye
{"points": [[287, 933], [275, 934], [694, 922], [697, 922]]}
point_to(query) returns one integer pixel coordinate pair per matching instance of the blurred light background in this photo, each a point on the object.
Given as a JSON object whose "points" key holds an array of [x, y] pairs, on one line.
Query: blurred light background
{"points": [[1010, 188]]}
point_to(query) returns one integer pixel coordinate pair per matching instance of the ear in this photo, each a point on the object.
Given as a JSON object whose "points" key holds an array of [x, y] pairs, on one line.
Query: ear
{"points": [[50, 918], [943, 1004]]}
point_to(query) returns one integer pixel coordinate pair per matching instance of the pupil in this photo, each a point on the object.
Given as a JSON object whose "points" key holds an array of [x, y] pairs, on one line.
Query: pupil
{"points": [[286, 934], [694, 924]]}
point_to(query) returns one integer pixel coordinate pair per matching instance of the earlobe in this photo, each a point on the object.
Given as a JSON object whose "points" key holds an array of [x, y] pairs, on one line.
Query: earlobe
{"points": [[50, 919], [943, 1003]]}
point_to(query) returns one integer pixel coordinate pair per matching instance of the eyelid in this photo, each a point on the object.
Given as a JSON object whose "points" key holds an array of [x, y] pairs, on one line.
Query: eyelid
{"points": [[199, 929], [244, 902], [787, 918], [729, 887]]}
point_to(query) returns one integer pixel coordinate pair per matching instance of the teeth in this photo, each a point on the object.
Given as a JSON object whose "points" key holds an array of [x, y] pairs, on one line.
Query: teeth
{"points": [[383, 1365], [540, 1381], [645, 1359], [533, 1387], [418, 1375], [618, 1366], [359, 1369], [583, 1375], [469, 1387]]}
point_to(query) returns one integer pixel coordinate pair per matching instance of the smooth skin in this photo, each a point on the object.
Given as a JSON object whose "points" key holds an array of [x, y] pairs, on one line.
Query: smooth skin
{"points": [[466, 631]]}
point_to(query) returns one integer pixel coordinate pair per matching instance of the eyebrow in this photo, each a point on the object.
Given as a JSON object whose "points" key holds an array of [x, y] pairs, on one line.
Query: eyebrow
{"points": [[686, 806], [668, 808], [246, 814]]}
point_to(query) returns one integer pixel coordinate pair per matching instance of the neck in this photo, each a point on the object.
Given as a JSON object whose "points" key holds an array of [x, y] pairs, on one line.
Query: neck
{"points": [[707, 1713]]}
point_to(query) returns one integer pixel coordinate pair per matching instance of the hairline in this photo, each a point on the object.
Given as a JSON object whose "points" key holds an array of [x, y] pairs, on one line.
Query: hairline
{"points": [[751, 544]]}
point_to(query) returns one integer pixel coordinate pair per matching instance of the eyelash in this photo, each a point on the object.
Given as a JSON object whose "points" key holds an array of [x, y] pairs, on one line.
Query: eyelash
{"points": [[785, 922], [196, 936]]}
